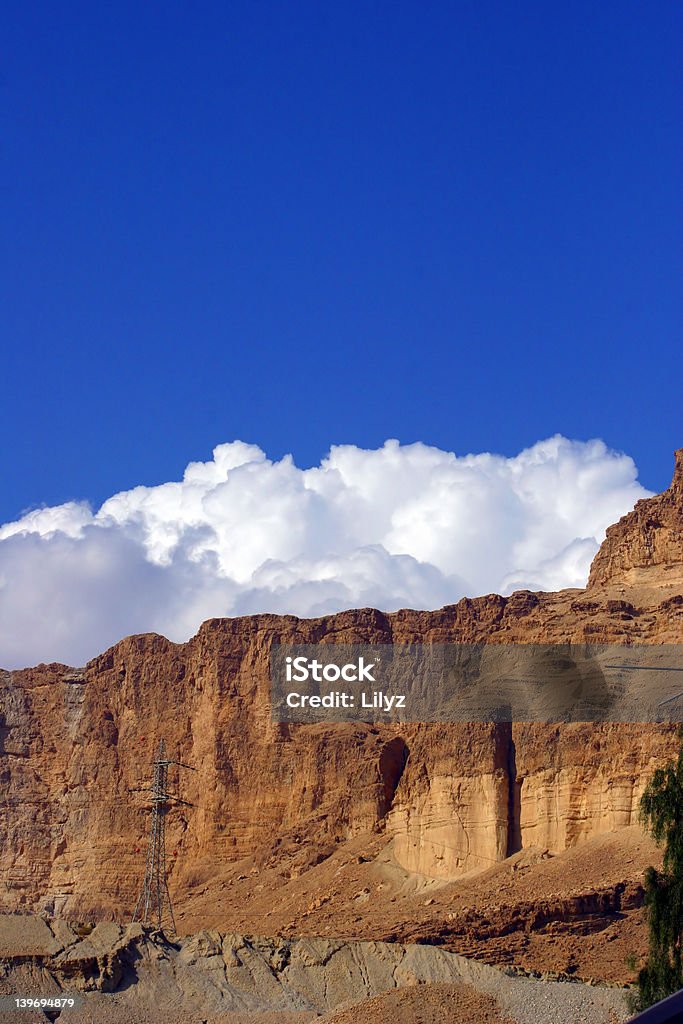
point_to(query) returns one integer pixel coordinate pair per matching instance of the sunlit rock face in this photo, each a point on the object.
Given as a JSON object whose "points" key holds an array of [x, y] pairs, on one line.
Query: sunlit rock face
{"points": [[76, 745]]}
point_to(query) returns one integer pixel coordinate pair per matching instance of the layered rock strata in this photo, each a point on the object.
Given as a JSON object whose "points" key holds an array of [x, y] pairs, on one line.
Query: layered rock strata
{"points": [[76, 745]]}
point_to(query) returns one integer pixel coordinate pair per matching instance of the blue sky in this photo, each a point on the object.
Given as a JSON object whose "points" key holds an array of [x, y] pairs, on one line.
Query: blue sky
{"points": [[303, 224]]}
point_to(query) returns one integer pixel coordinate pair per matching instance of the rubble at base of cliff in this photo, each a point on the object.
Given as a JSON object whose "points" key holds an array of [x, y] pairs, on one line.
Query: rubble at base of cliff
{"points": [[133, 974]]}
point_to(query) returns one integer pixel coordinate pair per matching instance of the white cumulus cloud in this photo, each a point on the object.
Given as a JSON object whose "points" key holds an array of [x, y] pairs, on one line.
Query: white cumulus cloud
{"points": [[400, 526]]}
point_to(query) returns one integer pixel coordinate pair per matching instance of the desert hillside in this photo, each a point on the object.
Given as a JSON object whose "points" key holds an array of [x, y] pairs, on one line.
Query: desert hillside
{"points": [[496, 840]]}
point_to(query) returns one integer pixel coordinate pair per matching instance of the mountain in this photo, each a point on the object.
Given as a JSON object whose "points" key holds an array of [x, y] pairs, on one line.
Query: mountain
{"points": [[355, 823]]}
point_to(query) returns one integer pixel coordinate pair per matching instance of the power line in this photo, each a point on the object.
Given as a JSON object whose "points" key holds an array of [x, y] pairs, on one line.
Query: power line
{"points": [[154, 901], [654, 668]]}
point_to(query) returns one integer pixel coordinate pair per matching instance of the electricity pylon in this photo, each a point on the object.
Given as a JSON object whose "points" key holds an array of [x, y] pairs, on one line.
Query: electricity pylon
{"points": [[154, 902]]}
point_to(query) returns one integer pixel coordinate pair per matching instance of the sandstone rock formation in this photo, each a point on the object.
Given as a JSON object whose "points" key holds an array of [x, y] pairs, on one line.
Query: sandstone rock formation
{"points": [[647, 542], [76, 746]]}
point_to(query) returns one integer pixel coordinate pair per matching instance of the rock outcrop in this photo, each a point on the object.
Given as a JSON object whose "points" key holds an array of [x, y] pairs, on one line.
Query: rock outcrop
{"points": [[132, 974], [645, 541], [76, 747]]}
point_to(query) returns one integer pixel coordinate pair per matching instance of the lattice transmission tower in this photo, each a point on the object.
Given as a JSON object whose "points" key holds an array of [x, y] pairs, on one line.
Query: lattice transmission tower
{"points": [[154, 903]]}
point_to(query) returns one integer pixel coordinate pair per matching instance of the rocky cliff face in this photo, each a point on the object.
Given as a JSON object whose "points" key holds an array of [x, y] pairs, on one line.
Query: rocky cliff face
{"points": [[647, 541], [76, 746]]}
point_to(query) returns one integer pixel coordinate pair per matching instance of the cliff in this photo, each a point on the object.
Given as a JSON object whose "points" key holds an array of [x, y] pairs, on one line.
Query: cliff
{"points": [[647, 543], [76, 747]]}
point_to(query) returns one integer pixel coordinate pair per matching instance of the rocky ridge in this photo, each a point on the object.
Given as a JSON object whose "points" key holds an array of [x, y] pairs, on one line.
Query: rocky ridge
{"points": [[281, 800], [648, 539]]}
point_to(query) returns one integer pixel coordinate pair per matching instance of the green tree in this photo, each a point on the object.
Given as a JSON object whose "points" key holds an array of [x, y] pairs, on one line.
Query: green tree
{"points": [[661, 812]]}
